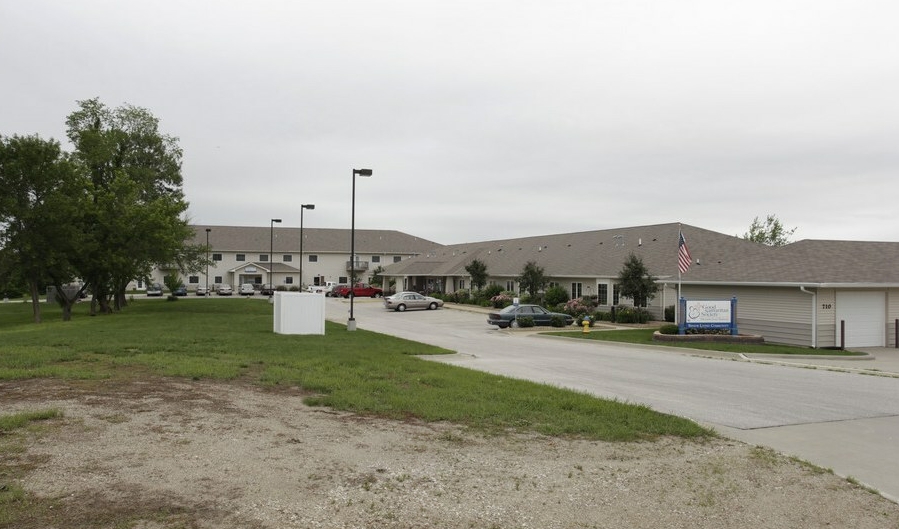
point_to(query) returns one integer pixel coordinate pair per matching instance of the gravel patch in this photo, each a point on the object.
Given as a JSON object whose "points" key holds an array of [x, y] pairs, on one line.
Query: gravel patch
{"points": [[166, 454]]}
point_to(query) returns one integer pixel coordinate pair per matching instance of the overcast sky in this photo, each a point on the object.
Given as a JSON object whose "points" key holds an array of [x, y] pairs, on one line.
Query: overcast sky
{"points": [[490, 119]]}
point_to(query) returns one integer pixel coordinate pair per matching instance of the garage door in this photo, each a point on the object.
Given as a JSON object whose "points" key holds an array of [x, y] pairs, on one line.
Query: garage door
{"points": [[865, 317]]}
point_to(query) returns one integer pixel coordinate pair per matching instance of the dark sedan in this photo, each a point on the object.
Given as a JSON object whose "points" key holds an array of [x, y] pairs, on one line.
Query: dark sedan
{"points": [[508, 317]]}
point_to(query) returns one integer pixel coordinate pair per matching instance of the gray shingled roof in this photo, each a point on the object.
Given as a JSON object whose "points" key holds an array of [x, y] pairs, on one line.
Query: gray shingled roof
{"points": [[251, 239], [716, 257]]}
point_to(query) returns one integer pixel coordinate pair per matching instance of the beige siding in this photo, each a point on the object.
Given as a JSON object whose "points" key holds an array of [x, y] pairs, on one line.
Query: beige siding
{"points": [[892, 316], [780, 315], [827, 317]]}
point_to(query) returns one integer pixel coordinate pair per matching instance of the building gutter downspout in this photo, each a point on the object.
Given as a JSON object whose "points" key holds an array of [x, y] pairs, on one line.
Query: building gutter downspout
{"points": [[814, 315]]}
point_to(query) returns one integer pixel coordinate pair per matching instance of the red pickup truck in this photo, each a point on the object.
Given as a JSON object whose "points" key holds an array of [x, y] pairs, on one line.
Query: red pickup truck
{"points": [[363, 290]]}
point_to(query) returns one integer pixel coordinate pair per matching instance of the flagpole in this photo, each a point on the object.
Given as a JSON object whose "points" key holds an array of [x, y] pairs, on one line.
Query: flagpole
{"points": [[677, 301]]}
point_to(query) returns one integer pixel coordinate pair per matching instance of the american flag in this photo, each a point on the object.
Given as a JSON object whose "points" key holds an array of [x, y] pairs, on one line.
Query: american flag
{"points": [[683, 254]]}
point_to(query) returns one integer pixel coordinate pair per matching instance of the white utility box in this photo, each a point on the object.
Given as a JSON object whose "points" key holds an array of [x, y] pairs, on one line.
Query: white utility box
{"points": [[299, 313]]}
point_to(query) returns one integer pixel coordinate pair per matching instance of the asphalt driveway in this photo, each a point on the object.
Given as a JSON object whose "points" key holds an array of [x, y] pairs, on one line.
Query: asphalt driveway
{"points": [[823, 411]]}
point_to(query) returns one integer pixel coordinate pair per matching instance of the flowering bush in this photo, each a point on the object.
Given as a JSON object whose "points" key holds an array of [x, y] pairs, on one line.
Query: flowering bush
{"points": [[500, 300], [577, 306]]}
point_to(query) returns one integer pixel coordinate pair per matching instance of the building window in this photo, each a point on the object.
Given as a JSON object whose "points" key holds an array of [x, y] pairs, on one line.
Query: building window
{"points": [[461, 284], [263, 258], [287, 258], [313, 258], [576, 290], [288, 280], [397, 258], [193, 280], [510, 285], [342, 279], [376, 258], [216, 257], [218, 279], [615, 295], [602, 292], [241, 257]]}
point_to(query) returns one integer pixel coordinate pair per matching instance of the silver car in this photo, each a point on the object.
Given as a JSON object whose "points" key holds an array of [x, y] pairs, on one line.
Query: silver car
{"points": [[411, 300]]}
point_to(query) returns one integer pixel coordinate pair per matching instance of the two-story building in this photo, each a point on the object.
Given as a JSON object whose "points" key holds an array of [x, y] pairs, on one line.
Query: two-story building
{"points": [[271, 255]]}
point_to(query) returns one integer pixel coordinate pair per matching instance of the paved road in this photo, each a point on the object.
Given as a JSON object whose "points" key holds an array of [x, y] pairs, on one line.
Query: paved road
{"points": [[840, 420]]}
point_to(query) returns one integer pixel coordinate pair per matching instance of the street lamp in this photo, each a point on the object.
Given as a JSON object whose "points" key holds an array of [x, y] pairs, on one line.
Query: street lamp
{"points": [[271, 257], [302, 207], [207, 261], [351, 324]]}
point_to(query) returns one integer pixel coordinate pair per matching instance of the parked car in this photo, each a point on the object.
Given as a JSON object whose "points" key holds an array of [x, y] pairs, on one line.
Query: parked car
{"points": [[154, 290], [224, 290], [201, 291], [361, 290], [246, 289], [267, 290], [334, 291], [180, 291], [402, 301], [508, 317], [321, 289]]}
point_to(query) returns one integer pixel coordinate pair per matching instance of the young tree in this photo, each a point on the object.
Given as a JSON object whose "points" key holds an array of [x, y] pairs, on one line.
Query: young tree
{"points": [[40, 209], [136, 214], [532, 278], [771, 233], [478, 272], [635, 281]]}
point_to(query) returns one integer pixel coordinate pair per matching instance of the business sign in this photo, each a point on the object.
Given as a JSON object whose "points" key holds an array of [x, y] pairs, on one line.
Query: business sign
{"points": [[706, 314]]}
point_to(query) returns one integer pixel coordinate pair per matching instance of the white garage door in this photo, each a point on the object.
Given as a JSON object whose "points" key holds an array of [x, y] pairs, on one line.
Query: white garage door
{"points": [[865, 317]]}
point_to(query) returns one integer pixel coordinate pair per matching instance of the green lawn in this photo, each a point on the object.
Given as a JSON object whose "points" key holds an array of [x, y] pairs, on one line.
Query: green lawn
{"points": [[644, 336], [361, 371]]}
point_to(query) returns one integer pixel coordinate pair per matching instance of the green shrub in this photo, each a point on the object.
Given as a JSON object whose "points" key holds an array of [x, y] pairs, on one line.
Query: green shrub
{"points": [[557, 321], [579, 320], [459, 296], [526, 321], [624, 314], [669, 313], [668, 329], [492, 290], [555, 296], [170, 297], [600, 315]]}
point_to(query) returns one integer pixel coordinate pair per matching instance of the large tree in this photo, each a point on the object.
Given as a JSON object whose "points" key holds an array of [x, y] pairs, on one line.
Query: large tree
{"points": [[532, 278], [40, 210], [635, 281], [771, 232], [136, 216]]}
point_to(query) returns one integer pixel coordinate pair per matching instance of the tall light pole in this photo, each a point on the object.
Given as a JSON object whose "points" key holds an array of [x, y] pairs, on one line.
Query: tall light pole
{"points": [[271, 257], [207, 261], [351, 324], [302, 207]]}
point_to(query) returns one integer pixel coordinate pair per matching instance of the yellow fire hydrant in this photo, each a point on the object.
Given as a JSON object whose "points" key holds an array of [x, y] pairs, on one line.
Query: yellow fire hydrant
{"points": [[586, 324]]}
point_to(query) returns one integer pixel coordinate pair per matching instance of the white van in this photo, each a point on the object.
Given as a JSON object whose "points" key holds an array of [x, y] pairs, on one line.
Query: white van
{"points": [[321, 289]]}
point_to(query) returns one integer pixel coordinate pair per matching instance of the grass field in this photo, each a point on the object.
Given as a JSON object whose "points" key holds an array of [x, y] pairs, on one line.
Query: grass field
{"points": [[361, 371]]}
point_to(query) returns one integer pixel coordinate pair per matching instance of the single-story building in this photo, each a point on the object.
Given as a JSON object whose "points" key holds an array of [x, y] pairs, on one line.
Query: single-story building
{"points": [[814, 293]]}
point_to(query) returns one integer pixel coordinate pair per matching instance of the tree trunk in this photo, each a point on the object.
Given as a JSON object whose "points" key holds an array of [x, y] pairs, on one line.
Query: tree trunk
{"points": [[35, 302]]}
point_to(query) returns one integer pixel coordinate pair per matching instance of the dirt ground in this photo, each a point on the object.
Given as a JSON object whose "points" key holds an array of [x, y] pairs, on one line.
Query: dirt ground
{"points": [[177, 454]]}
